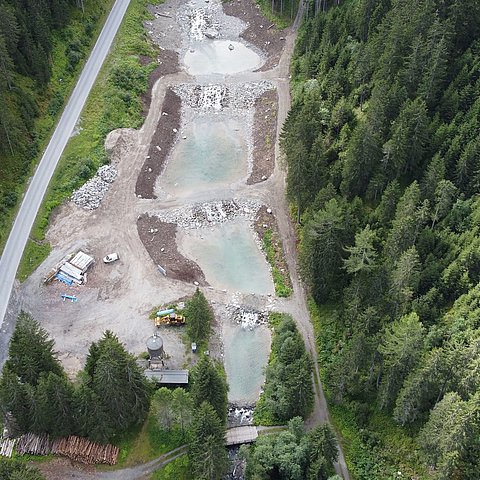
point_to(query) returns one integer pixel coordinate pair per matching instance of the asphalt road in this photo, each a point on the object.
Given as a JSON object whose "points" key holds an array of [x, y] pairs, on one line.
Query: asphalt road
{"points": [[17, 240]]}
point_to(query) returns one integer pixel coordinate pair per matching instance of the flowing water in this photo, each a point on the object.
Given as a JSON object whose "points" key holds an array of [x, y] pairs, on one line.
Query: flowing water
{"points": [[229, 257], [246, 355], [213, 154], [220, 57]]}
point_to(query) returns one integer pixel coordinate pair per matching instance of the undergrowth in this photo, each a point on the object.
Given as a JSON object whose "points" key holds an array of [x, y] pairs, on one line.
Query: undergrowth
{"points": [[274, 254]]}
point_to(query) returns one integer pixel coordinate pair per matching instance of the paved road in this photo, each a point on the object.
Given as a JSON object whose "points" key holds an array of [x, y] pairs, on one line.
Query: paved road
{"points": [[13, 251]]}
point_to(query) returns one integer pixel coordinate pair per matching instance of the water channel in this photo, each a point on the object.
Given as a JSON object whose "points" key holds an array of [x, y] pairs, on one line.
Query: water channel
{"points": [[212, 153]]}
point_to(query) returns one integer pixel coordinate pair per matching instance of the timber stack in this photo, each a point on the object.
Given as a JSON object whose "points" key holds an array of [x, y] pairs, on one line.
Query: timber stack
{"points": [[83, 450]]}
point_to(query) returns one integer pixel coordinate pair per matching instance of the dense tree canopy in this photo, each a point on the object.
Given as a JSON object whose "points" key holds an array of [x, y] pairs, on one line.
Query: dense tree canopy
{"points": [[29, 32], [288, 390], [383, 164], [113, 394], [293, 454]]}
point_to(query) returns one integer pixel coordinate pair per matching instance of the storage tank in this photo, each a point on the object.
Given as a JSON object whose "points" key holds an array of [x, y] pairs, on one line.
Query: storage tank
{"points": [[155, 347]]}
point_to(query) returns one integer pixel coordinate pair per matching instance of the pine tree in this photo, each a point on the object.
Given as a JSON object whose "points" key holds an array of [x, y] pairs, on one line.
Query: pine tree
{"points": [[208, 457], [55, 403], [118, 382], [210, 386], [199, 317], [31, 351], [401, 349]]}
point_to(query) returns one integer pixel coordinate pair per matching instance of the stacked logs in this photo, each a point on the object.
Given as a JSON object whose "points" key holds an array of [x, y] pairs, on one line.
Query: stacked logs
{"points": [[85, 451], [34, 444], [76, 448], [6, 447]]}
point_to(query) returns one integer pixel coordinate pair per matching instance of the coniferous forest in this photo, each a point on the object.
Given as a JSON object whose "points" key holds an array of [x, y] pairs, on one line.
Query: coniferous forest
{"points": [[31, 32], [383, 152]]}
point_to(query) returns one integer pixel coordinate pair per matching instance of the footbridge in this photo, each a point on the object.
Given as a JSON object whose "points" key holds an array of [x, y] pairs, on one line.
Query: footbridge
{"points": [[248, 434]]}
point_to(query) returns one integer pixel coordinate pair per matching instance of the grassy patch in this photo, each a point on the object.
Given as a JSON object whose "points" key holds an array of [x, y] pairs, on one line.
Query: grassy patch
{"points": [[179, 469], [142, 444], [272, 247], [114, 102], [33, 255]]}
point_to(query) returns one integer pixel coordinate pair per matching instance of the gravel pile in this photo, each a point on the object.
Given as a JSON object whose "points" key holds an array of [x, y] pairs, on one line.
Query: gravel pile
{"points": [[209, 213], [236, 96], [91, 193]]}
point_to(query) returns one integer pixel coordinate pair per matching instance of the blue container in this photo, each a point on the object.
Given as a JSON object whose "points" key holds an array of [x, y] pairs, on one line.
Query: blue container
{"points": [[162, 313]]}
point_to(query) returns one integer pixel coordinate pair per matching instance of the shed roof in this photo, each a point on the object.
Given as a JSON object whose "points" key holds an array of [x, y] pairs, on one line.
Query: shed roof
{"points": [[82, 261], [176, 377]]}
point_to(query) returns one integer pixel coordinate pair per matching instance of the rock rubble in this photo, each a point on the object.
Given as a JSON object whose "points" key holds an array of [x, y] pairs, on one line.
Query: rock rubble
{"points": [[217, 97], [209, 213], [92, 192], [247, 316]]}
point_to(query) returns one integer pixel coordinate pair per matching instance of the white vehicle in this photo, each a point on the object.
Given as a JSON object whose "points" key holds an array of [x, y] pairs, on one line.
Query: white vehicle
{"points": [[111, 257]]}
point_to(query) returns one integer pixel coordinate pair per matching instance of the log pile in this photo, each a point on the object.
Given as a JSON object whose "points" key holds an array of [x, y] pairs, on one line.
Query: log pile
{"points": [[76, 448], [85, 451], [34, 444], [6, 447]]}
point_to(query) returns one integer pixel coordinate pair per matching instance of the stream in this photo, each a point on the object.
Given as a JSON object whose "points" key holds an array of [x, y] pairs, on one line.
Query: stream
{"points": [[213, 154]]}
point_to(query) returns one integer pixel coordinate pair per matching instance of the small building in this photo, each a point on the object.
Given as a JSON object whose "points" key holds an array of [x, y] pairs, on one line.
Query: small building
{"points": [[168, 377]]}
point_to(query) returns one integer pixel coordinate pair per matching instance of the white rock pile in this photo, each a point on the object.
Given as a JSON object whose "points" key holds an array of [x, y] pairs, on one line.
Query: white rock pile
{"points": [[209, 213], [92, 192], [247, 316], [216, 97]]}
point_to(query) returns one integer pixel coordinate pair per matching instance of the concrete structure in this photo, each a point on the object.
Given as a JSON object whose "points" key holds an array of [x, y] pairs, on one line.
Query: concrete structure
{"points": [[241, 435]]}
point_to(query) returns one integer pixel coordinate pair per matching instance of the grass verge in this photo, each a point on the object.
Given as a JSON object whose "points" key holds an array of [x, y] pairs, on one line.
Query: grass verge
{"points": [[70, 48], [179, 469], [272, 247], [114, 102]]}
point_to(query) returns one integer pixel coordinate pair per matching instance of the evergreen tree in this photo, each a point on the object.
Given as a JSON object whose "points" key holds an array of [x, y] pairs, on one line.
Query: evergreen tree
{"points": [[208, 457], [118, 382], [209, 385], [450, 438], [31, 351], [16, 470], [199, 317], [401, 349], [55, 403], [90, 418]]}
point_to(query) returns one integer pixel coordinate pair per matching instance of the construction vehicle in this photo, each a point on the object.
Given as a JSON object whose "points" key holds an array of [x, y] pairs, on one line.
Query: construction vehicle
{"points": [[173, 319]]}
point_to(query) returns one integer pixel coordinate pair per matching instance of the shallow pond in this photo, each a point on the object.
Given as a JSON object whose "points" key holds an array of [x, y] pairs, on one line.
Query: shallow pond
{"points": [[229, 257], [246, 355], [214, 153], [218, 57]]}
